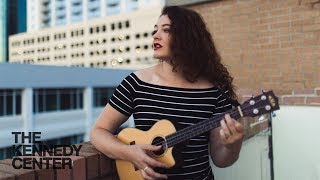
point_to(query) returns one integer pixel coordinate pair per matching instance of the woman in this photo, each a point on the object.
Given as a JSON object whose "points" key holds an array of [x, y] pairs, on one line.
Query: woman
{"points": [[188, 85]]}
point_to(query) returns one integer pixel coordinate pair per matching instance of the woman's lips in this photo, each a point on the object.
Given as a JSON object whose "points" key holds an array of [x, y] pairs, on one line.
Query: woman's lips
{"points": [[156, 46]]}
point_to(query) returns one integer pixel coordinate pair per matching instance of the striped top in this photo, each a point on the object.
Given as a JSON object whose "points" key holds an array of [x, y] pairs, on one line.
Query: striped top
{"points": [[149, 103]]}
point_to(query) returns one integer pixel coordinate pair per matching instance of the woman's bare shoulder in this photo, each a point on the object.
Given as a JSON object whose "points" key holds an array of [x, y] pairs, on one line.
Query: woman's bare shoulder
{"points": [[145, 74]]}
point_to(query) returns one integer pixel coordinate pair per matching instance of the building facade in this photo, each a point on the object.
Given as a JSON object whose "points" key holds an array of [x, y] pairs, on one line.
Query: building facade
{"points": [[119, 41], [50, 13], [13, 21], [60, 102], [3, 31]]}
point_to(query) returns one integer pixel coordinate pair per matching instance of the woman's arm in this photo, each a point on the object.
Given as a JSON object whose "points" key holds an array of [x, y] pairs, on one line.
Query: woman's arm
{"points": [[226, 142], [102, 133], [104, 140]]}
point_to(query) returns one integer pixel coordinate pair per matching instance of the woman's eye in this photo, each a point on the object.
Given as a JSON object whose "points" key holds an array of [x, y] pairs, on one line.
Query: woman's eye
{"points": [[166, 30], [154, 32]]}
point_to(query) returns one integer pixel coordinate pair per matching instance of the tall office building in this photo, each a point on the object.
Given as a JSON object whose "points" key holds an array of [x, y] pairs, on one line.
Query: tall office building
{"points": [[118, 41], [3, 31], [50, 13], [12, 21]]}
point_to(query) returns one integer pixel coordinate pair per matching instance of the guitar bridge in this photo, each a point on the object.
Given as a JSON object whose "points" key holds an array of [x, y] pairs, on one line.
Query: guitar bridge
{"points": [[132, 143]]}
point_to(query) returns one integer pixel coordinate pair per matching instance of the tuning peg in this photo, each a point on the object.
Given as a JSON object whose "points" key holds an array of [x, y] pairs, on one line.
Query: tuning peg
{"points": [[263, 91], [252, 96]]}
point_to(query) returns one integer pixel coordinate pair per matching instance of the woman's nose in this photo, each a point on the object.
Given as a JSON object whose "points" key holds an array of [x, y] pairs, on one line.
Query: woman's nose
{"points": [[156, 35]]}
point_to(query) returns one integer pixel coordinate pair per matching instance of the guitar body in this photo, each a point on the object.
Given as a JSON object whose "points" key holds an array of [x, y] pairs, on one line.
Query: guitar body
{"points": [[127, 170], [164, 133]]}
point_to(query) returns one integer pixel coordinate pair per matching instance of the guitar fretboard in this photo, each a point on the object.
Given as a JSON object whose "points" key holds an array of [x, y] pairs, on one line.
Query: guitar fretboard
{"points": [[199, 128]]}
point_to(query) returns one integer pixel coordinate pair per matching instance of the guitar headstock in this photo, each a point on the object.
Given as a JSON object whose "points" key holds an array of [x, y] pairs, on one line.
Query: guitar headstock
{"points": [[262, 104]]}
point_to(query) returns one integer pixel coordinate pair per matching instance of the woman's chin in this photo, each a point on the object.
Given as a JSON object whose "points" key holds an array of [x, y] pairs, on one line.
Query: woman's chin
{"points": [[157, 56], [160, 57]]}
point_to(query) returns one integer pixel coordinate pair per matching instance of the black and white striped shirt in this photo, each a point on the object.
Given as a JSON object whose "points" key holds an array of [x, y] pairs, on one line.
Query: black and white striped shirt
{"points": [[150, 103]]}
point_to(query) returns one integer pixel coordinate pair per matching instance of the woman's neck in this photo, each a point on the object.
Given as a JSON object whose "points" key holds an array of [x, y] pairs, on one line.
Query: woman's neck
{"points": [[165, 70]]}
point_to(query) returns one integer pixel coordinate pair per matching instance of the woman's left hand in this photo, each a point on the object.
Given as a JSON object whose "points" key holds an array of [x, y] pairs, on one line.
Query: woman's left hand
{"points": [[231, 133]]}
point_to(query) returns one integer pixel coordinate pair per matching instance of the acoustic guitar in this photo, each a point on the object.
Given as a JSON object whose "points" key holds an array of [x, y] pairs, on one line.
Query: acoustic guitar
{"points": [[164, 133]]}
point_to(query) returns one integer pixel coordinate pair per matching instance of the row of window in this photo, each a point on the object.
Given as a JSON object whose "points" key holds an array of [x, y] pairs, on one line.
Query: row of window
{"points": [[59, 36], [113, 62], [92, 42], [102, 96], [60, 57], [99, 64], [120, 38], [76, 33], [97, 42], [144, 35], [28, 61], [113, 26], [45, 100], [28, 41], [76, 55], [77, 65], [43, 39], [43, 50], [31, 41], [97, 53], [15, 43], [28, 52], [67, 99], [32, 51], [10, 102], [120, 25], [105, 63], [6, 153], [57, 99], [77, 44], [120, 49], [144, 47], [43, 59], [145, 59]]}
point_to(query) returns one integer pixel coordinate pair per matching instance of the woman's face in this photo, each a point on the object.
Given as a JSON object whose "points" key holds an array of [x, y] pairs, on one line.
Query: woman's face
{"points": [[162, 38]]}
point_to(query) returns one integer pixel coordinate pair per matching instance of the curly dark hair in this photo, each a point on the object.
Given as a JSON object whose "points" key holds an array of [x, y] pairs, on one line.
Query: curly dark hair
{"points": [[194, 51]]}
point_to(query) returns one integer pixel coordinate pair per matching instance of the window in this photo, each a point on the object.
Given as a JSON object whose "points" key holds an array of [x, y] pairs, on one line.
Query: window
{"points": [[127, 24], [6, 153], [57, 99], [10, 102], [102, 96], [2, 154]]}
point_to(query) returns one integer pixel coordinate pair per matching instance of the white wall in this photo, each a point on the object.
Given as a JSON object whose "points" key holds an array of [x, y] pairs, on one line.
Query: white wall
{"points": [[253, 162], [296, 141]]}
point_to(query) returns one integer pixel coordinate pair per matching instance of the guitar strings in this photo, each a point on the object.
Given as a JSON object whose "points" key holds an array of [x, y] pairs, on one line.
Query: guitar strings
{"points": [[179, 137], [215, 123], [182, 136]]}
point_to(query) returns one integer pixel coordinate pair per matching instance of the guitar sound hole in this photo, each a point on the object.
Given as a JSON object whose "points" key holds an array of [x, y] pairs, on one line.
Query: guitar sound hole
{"points": [[159, 141]]}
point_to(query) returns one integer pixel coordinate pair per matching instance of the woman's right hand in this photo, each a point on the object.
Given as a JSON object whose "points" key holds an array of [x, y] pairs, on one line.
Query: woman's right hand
{"points": [[138, 155]]}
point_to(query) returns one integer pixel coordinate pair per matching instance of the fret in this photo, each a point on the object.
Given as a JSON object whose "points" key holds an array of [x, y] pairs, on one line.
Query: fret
{"points": [[199, 128], [261, 104]]}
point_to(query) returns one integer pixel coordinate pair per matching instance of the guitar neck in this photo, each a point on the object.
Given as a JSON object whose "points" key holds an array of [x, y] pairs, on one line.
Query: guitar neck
{"points": [[199, 128]]}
